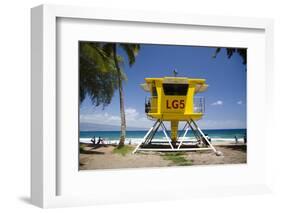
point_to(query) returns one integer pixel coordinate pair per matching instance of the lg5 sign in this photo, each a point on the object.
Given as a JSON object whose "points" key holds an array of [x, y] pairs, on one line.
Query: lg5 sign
{"points": [[175, 104]]}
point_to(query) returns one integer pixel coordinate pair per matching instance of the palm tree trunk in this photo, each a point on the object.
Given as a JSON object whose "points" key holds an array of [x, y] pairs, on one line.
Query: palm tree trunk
{"points": [[121, 99]]}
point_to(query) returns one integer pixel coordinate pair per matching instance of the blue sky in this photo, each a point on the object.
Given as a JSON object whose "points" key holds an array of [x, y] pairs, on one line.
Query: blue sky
{"points": [[225, 99]]}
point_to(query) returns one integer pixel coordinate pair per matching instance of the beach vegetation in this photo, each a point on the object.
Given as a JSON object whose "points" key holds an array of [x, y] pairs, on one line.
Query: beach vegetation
{"points": [[242, 52], [81, 147], [101, 74], [131, 51], [124, 150], [98, 78], [177, 158]]}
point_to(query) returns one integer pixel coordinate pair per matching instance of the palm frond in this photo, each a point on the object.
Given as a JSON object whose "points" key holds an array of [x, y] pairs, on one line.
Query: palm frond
{"points": [[131, 51], [95, 55], [230, 51]]}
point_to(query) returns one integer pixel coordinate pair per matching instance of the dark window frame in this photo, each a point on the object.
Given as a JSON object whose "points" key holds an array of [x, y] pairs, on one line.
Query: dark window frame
{"points": [[175, 89], [154, 92]]}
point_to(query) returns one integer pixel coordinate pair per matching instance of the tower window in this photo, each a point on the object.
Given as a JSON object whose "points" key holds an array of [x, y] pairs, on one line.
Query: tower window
{"points": [[154, 92], [175, 89]]}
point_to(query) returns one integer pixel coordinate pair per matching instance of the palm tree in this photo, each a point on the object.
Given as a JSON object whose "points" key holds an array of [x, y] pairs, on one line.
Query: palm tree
{"points": [[131, 51], [230, 51], [101, 74], [98, 78]]}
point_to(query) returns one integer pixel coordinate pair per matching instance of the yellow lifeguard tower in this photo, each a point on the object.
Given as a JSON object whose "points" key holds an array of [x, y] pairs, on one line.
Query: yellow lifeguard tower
{"points": [[173, 99]]}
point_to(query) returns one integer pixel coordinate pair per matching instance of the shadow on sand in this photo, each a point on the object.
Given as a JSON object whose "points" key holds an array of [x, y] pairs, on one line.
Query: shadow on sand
{"points": [[91, 152], [242, 147]]}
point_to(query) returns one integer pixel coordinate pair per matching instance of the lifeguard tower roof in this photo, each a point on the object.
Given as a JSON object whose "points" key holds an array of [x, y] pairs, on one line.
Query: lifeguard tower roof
{"points": [[200, 83]]}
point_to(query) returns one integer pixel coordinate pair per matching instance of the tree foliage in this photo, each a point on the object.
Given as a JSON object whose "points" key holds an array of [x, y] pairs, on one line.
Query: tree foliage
{"points": [[230, 51], [101, 74], [97, 72], [131, 51]]}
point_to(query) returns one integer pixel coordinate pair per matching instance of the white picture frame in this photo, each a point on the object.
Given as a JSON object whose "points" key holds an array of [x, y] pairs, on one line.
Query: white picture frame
{"points": [[45, 152]]}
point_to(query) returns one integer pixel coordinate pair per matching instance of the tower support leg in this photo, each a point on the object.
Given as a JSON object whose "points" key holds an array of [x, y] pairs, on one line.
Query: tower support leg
{"points": [[149, 135], [185, 132], [205, 138], [166, 135], [189, 124]]}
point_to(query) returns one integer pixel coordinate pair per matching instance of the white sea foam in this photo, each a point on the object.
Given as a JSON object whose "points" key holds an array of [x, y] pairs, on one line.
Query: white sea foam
{"points": [[138, 140]]}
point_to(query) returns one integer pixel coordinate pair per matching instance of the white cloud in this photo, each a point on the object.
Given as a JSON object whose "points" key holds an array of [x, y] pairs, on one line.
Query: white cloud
{"points": [[103, 118], [133, 118], [131, 114], [239, 102], [222, 124], [219, 102]]}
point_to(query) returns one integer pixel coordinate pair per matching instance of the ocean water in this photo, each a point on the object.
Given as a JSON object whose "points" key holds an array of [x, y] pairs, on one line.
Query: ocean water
{"points": [[136, 136]]}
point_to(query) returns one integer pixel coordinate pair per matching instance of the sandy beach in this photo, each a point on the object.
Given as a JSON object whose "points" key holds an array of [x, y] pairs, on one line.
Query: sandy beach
{"points": [[107, 157]]}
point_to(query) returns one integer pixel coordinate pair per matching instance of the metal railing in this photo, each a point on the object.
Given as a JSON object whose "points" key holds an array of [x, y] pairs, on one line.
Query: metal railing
{"points": [[151, 104], [199, 104]]}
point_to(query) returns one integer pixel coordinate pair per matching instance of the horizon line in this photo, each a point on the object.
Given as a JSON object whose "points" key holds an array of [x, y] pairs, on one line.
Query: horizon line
{"points": [[146, 130]]}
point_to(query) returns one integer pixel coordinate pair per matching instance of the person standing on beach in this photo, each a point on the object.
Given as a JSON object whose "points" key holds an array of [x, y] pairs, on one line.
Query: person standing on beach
{"points": [[245, 139], [100, 141], [93, 140], [236, 139]]}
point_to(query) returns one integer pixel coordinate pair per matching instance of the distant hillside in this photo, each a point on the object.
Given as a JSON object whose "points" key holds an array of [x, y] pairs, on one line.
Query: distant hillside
{"points": [[104, 127]]}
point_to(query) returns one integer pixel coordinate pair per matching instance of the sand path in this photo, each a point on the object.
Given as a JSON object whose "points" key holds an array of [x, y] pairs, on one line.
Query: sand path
{"points": [[104, 158]]}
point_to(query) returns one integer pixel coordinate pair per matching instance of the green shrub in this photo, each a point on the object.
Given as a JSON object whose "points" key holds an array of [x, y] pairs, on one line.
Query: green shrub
{"points": [[178, 159], [124, 150]]}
